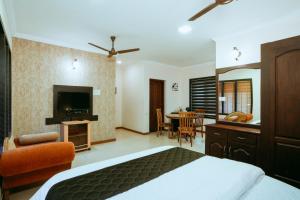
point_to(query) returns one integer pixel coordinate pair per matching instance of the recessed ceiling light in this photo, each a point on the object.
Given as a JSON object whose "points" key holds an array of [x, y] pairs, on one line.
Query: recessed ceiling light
{"points": [[185, 29], [119, 62]]}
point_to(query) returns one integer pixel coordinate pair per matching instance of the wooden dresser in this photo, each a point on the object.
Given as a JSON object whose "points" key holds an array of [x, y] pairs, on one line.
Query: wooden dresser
{"points": [[233, 142]]}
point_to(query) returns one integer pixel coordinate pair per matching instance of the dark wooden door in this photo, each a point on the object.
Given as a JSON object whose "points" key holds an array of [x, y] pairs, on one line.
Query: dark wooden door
{"points": [[281, 110], [216, 143], [241, 152], [5, 87], [156, 101]]}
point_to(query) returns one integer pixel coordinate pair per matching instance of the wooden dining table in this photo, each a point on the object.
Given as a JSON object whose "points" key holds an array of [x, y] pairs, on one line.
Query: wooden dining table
{"points": [[177, 117], [174, 118]]}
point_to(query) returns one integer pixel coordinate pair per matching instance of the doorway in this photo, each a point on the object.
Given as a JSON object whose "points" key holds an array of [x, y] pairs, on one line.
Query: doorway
{"points": [[157, 100]]}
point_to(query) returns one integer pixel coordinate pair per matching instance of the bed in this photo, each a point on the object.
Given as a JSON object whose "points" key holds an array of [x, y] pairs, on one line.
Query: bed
{"points": [[190, 176]]}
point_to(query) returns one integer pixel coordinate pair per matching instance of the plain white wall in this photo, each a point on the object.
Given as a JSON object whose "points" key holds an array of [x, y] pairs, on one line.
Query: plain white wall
{"points": [[133, 97], [249, 42]]}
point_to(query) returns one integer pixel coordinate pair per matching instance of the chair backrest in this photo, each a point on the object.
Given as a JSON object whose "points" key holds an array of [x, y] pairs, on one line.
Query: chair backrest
{"points": [[200, 116], [186, 119], [202, 111], [159, 117]]}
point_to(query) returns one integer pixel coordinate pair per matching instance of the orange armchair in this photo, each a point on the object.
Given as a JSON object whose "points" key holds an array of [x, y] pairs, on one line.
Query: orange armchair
{"points": [[34, 164]]}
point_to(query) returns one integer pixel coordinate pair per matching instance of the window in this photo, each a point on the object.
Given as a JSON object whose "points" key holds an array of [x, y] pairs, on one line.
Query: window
{"points": [[203, 95], [235, 96]]}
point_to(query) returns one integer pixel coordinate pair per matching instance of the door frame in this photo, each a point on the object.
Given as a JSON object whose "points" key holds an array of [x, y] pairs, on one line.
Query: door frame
{"points": [[163, 97]]}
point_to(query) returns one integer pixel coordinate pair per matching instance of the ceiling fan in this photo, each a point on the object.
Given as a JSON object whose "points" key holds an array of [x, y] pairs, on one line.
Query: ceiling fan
{"points": [[113, 52], [209, 8]]}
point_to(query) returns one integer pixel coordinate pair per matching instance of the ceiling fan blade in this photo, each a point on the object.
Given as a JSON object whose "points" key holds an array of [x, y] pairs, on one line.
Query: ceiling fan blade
{"points": [[98, 47], [128, 51], [204, 11]]}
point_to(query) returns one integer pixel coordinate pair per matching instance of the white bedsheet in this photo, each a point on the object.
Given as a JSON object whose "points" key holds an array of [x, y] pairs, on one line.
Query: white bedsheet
{"points": [[270, 188], [206, 178]]}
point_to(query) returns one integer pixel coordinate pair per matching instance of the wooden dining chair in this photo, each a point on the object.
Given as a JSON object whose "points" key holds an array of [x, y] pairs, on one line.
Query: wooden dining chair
{"points": [[162, 125], [199, 121], [186, 126]]}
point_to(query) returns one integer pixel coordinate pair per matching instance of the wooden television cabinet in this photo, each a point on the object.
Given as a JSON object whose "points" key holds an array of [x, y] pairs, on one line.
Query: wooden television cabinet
{"points": [[78, 132]]}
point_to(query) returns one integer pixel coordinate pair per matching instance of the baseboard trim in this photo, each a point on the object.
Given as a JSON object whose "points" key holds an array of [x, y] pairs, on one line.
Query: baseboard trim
{"points": [[131, 130], [103, 141]]}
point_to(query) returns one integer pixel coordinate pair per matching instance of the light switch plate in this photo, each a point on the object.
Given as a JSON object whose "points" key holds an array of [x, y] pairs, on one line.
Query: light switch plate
{"points": [[97, 92]]}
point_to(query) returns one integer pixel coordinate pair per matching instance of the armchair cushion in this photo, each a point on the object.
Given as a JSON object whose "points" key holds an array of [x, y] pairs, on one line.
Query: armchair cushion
{"points": [[38, 138], [36, 157]]}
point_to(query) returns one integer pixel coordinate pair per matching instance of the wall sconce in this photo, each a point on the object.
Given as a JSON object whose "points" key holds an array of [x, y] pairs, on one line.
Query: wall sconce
{"points": [[75, 64], [237, 53]]}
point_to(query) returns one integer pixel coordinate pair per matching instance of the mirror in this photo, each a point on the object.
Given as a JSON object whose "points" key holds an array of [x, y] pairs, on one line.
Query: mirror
{"points": [[239, 96]]}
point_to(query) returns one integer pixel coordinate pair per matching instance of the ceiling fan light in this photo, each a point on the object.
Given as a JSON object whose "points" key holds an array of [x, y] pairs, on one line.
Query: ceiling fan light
{"points": [[185, 29]]}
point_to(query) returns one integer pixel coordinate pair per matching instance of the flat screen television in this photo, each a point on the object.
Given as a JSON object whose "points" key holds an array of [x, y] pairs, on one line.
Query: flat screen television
{"points": [[72, 101]]}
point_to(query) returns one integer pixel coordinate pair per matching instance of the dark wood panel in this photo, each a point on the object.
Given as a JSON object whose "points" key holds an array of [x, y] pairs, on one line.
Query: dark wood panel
{"points": [[287, 95], [3, 74], [156, 101], [243, 137], [286, 166], [216, 142], [234, 128], [5, 87], [247, 66], [233, 142], [279, 145], [215, 147], [241, 152]]}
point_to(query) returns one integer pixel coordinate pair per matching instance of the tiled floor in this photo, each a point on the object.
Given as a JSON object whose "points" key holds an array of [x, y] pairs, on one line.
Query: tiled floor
{"points": [[127, 142]]}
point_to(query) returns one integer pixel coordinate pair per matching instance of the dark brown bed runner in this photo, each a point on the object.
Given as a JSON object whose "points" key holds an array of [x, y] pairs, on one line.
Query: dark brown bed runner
{"points": [[110, 181]]}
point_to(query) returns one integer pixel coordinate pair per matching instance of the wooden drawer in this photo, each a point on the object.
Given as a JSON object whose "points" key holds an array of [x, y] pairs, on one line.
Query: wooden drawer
{"points": [[216, 133], [241, 152], [244, 138]]}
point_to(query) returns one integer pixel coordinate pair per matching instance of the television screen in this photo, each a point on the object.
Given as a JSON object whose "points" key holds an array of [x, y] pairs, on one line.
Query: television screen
{"points": [[73, 102]]}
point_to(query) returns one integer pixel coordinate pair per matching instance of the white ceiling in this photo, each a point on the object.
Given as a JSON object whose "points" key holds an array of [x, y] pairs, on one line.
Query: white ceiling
{"points": [[148, 24]]}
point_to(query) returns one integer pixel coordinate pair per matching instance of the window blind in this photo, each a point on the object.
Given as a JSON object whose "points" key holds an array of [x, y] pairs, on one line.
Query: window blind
{"points": [[244, 96], [203, 95], [229, 94]]}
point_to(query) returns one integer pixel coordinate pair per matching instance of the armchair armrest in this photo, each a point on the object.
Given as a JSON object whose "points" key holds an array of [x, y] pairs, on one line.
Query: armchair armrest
{"points": [[35, 157]]}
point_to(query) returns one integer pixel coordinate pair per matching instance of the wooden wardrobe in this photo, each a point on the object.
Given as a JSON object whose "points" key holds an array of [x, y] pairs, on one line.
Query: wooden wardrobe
{"points": [[280, 115]]}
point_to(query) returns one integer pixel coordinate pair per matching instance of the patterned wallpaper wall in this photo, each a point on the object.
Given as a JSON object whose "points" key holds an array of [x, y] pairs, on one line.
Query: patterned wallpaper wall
{"points": [[36, 67]]}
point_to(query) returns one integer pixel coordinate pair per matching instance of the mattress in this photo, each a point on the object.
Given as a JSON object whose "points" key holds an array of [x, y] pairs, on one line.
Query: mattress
{"points": [[204, 178]]}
